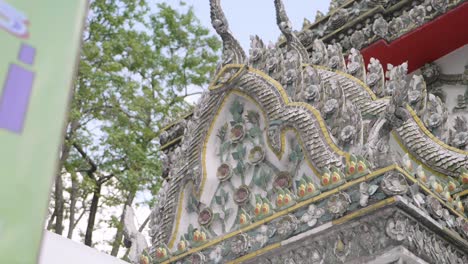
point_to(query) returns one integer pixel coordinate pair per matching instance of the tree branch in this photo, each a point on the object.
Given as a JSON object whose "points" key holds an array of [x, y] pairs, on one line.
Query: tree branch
{"points": [[87, 158]]}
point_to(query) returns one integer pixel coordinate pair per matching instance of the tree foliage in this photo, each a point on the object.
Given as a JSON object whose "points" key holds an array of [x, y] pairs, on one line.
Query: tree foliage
{"points": [[140, 60]]}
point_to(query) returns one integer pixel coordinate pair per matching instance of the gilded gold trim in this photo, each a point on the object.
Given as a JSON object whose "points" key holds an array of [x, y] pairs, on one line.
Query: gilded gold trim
{"points": [[338, 221], [349, 76], [241, 68], [315, 112], [461, 194], [322, 125], [176, 121], [255, 253], [179, 215], [315, 199], [364, 211], [265, 117], [413, 158], [430, 135], [168, 144], [277, 214], [414, 180]]}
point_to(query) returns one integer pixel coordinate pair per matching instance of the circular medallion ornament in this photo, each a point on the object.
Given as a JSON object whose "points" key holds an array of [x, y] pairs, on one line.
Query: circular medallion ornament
{"points": [[394, 183], [434, 206], [312, 92], [242, 195], [237, 133], [460, 140], [224, 172], [347, 134], [283, 180], [240, 244], [205, 216], [338, 204], [197, 258], [286, 226], [434, 120], [256, 155]]}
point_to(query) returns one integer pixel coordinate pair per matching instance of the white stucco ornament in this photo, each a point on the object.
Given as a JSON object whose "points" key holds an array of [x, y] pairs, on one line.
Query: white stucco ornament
{"points": [[131, 232]]}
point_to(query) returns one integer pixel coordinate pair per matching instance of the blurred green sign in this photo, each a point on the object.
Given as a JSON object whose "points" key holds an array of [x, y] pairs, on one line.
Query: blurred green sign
{"points": [[39, 47]]}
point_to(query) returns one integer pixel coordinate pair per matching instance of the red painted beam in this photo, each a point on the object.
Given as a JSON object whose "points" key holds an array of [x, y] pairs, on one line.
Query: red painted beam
{"points": [[425, 44]]}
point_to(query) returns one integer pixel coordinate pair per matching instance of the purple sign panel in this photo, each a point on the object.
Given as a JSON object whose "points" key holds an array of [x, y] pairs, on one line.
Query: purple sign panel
{"points": [[14, 99]]}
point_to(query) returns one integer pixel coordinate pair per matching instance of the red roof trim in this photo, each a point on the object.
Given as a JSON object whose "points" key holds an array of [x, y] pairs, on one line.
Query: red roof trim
{"points": [[425, 44]]}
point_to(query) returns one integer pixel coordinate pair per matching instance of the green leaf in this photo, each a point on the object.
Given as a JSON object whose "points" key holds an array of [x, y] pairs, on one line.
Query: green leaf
{"points": [[240, 168], [237, 108], [225, 195], [236, 156], [258, 181], [253, 117], [255, 131], [216, 216], [218, 200], [227, 213]]}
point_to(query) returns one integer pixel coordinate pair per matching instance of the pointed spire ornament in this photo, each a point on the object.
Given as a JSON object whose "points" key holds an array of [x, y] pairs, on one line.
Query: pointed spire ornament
{"points": [[232, 50], [285, 27]]}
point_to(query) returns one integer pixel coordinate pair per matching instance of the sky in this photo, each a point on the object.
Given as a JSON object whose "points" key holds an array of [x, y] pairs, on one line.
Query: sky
{"points": [[258, 17], [255, 17]]}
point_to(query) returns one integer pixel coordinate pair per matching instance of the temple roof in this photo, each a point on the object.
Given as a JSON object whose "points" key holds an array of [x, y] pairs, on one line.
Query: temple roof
{"points": [[291, 141]]}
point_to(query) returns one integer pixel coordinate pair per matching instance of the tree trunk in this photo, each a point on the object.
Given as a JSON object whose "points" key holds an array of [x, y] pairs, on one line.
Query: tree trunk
{"points": [[50, 223], [92, 215], [59, 204], [73, 194], [59, 201], [119, 234]]}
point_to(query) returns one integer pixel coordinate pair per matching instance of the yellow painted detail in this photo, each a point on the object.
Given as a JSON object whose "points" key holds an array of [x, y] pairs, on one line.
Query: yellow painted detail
{"points": [[171, 142], [430, 135], [175, 122], [461, 194], [327, 137], [349, 76], [255, 253], [413, 158], [334, 222], [283, 137], [364, 211], [240, 67], [179, 214], [414, 180], [277, 214], [315, 199]]}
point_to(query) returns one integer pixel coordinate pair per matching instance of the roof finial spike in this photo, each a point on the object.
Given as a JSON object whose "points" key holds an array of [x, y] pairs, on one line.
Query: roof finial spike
{"points": [[285, 27], [283, 21], [232, 50]]}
